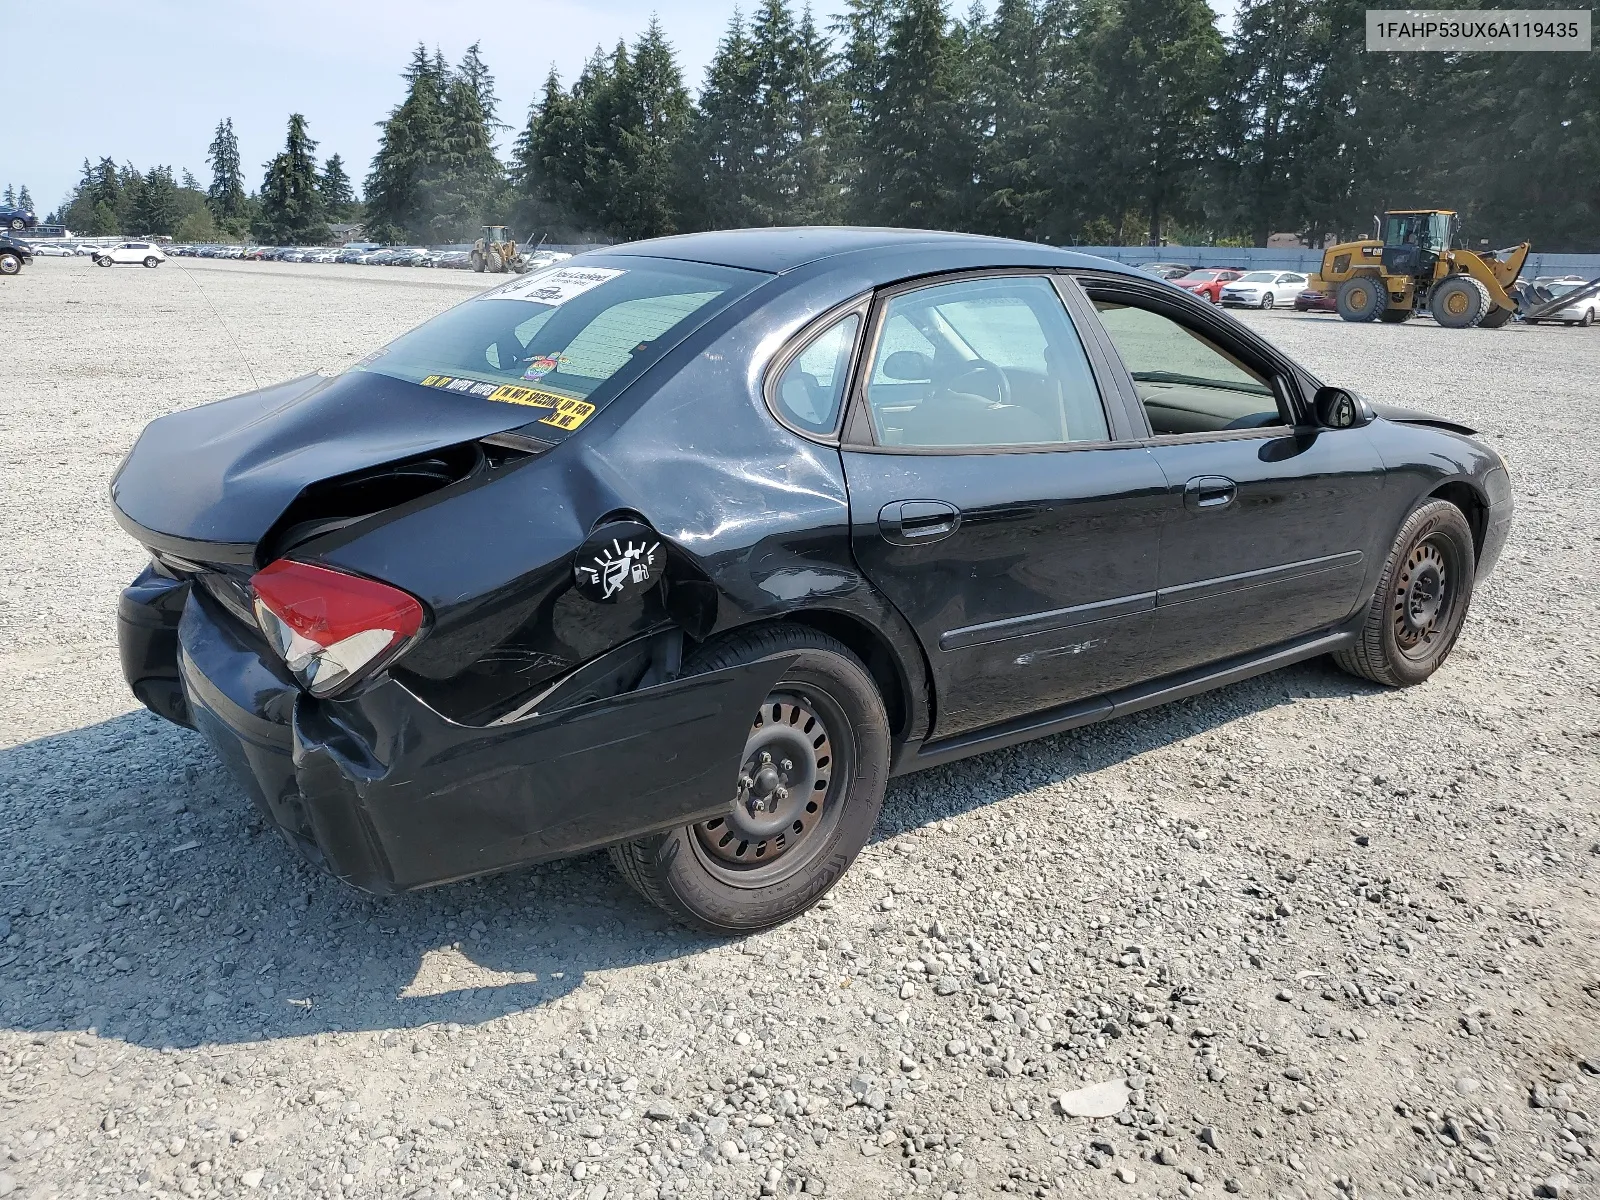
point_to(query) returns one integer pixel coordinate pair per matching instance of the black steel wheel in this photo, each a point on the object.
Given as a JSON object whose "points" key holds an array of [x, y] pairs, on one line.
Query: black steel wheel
{"points": [[802, 801], [1421, 600]]}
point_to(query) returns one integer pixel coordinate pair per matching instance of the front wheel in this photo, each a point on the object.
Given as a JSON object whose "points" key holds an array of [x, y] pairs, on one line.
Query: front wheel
{"points": [[1421, 601], [152, 261], [807, 793], [10, 263], [103, 261], [1588, 318], [1266, 301]]}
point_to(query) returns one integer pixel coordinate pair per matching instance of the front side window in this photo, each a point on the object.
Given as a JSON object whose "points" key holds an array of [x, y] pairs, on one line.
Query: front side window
{"points": [[561, 342], [981, 363], [1187, 383], [810, 391]]}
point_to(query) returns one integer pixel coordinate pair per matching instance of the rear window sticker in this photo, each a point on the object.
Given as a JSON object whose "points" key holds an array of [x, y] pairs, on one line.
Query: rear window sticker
{"points": [[510, 393], [555, 287], [461, 384], [569, 414], [539, 367]]}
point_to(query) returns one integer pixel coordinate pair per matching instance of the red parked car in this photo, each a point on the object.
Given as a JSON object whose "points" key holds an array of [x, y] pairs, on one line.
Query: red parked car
{"points": [[1207, 282], [1309, 301]]}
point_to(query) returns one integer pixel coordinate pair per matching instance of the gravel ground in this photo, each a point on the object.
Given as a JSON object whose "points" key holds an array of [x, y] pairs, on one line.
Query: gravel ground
{"points": [[1316, 938]]}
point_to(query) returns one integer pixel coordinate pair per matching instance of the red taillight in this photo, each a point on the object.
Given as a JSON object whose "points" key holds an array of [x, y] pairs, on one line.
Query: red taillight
{"points": [[332, 628]]}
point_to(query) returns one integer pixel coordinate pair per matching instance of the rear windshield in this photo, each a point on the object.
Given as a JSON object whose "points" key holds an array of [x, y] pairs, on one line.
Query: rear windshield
{"points": [[1259, 277], [563, 340]]}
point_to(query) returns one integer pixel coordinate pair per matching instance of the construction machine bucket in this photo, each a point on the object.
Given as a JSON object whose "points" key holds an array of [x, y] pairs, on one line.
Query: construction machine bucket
{"points": [[1551, 307]]}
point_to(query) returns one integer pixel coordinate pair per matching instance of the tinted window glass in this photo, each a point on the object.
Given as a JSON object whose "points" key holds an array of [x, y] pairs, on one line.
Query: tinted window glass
{"points": [[982, 362], [811, 388], [562, 341], [1188, 384]]}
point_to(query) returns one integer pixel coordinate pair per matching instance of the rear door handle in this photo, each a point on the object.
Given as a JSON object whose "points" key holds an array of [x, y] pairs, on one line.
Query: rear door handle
{"points": [[916, 522], [1208, 492]]}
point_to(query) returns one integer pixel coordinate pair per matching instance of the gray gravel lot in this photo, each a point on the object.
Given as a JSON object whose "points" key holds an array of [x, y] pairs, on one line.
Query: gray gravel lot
{"points": [[1337, 941]]}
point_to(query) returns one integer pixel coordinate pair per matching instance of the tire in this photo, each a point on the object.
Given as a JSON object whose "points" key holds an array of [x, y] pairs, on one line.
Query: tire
{"points": [[1588, 318], [477, 262], [497, 262], [708, 875], [1361, 299], [10, 264], [18, 223], [1421, 600], [1396, 316], [1495, 318], [1460, 302], [1266, 301], [152, 262], [103, 261]]}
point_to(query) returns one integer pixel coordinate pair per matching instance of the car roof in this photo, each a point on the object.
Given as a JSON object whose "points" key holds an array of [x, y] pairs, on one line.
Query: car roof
{"points": [[782, 249]]}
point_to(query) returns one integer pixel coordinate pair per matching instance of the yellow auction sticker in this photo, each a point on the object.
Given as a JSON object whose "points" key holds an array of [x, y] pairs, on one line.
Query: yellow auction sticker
{"points": [[532, 397], [569, 414]]}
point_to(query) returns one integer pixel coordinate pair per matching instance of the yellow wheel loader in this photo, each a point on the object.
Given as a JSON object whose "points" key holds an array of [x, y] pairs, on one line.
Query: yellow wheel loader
{"points": [[1415, 264], [496, 251]]}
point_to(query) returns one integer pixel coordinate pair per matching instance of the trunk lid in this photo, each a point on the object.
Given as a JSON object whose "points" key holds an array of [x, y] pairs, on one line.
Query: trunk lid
{"points": [[209, 483]]}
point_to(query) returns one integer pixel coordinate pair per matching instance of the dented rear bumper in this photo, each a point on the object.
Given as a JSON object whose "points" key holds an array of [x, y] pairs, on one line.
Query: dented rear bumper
{"points": [[389, 796]]}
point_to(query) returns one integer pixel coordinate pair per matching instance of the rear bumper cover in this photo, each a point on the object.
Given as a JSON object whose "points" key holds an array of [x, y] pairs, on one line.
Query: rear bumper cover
{"points": [[389, 796]]}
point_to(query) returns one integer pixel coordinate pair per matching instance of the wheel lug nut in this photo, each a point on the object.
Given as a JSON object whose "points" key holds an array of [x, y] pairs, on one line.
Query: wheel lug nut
{"points": [[786, 765]]}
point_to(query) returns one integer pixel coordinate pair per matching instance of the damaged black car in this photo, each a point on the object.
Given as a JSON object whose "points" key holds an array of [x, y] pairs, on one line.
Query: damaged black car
{"points": [[683, 548]]}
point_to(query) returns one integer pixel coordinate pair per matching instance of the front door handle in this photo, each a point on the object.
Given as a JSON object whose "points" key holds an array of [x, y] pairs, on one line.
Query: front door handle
{"points": [[916, 522], [1209, 492]]}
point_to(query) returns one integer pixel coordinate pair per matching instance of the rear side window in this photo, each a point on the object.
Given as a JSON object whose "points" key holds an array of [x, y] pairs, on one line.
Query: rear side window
{"points": [[563, 341], [810, 391], [980, 363]]}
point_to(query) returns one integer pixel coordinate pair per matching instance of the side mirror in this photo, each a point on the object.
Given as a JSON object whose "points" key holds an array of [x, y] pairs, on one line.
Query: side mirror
{"points": [[1337, 408]]}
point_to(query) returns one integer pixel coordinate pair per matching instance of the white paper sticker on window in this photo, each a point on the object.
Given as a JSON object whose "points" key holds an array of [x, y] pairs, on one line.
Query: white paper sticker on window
{"points": [[557, 285]]}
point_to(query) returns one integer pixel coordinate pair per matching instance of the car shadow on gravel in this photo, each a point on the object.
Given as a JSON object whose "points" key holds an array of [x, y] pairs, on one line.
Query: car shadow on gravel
{"points": [[143, 898]]}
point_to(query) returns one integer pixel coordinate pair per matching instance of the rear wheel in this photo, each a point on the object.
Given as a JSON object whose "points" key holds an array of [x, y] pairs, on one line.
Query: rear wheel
{"points": [[18, 223], [1266, 301], [1421, 601], [152, 261], [477, 261], [1396, 316], [1495, 318], [10, 263], [1460, 302], [808, 791], [1361, 299]]}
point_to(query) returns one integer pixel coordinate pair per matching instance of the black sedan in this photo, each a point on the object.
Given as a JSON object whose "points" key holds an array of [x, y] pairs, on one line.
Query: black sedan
{"points": [[683, 548]]}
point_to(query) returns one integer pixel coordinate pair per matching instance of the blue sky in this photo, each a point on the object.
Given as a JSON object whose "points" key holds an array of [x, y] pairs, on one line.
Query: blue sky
{"points": [[85, 80]]}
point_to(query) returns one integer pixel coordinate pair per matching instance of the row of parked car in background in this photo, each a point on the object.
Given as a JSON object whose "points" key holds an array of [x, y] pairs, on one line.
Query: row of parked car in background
{"points": [[1238, 288], [363, 253]]}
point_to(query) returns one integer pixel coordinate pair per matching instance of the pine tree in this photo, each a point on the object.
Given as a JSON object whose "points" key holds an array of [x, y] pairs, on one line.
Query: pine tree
{"points": [[548, 160], [720, 153], [10, 197], [916, 153], [291, 205], [226, 194], [334, 186], [465, 182], [819, 109], [634, 119], [154, 209], [1011, 62], [1156, 68], [407, 152]]}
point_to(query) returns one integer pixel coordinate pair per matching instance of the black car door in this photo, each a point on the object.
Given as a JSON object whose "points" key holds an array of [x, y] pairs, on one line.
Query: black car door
{"points": [[1279, 520], [997, 501]]}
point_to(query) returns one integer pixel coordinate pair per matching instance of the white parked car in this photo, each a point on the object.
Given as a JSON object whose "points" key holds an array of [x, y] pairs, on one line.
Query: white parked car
{"points": [[49, 250], [1263, 289], [146, 253], [1582, 313]]}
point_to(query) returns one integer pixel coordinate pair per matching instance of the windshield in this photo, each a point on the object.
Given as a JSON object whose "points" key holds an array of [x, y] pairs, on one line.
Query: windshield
{"points": [[1258, 277], [564, 340], [1200, 276]]}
